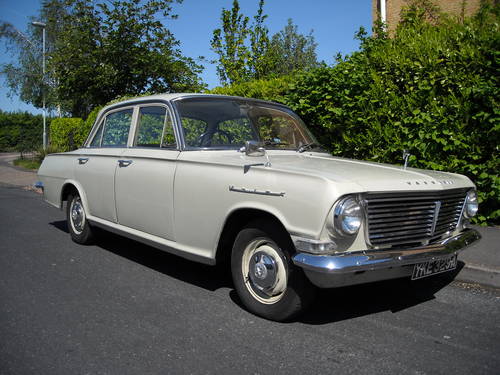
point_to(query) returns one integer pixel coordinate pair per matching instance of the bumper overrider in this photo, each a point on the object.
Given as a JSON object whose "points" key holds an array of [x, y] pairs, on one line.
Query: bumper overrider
{"points": [[330, 271]]}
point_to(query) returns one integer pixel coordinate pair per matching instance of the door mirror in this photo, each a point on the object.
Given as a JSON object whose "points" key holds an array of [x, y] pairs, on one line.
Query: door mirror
{"points": [[253, 148]]}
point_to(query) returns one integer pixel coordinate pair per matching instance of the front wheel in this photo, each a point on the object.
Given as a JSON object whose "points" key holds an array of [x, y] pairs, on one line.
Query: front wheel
{"points": [[267, 282], [78, 225]]}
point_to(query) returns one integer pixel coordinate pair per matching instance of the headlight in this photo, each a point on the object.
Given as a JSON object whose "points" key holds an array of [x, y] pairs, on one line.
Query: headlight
{"points": [[347, 217], [471, 205]]}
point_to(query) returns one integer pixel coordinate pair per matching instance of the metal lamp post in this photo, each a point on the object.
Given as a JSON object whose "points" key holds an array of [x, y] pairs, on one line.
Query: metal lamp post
{"points": [[43, 26]]}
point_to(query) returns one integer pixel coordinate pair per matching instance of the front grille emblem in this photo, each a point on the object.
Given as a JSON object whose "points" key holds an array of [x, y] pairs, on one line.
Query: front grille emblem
{"points": [[437, 207]]}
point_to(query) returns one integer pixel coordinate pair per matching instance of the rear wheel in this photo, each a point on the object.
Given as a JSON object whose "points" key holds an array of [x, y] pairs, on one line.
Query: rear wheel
{"points": [[78, 225], [264, 276]]}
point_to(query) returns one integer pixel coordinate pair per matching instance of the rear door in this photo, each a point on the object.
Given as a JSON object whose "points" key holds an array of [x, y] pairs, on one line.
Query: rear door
{"points": [[96, 165], [144, 178]]}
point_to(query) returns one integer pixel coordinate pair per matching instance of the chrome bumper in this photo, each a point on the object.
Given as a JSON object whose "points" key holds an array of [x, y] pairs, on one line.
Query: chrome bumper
{"points": [[330, 271]]}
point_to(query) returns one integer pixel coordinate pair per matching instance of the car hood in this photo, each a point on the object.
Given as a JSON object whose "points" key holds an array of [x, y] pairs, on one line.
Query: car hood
{"points": [[369, 176]]}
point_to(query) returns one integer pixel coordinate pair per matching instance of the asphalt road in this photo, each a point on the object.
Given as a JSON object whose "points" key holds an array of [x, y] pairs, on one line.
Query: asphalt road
{"points": [[124, 308]]}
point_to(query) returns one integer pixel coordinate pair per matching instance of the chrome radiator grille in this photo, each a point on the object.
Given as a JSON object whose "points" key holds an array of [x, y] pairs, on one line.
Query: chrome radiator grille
{"points": [[412, 218]]}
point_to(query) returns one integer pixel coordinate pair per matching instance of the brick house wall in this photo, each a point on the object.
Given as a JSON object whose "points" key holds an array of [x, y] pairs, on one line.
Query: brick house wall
{"points": [[393, 9]]}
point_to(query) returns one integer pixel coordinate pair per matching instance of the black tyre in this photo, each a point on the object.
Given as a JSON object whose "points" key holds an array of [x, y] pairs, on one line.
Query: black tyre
{"points": [[78, 225], [267, 282]]}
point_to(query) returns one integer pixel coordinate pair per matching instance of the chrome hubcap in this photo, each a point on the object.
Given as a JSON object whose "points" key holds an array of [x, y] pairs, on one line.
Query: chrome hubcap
{"points": [[77, 215], [264, 271]]}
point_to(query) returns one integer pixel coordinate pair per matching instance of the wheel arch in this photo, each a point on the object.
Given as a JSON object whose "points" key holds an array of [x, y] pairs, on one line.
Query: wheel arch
{"points": [[235, 221], [67, 188]]}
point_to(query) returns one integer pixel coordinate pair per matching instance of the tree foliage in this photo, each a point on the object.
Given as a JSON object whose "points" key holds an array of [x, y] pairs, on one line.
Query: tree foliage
{"points": [[259, 45], [432, 89], [24, 77], [245, 51], [290, 51], [229, 44], [99, 50], [126, 49]]}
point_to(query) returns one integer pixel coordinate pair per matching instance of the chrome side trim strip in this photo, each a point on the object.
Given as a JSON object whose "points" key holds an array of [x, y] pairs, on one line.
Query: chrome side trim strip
{"points": [[255, 191]]}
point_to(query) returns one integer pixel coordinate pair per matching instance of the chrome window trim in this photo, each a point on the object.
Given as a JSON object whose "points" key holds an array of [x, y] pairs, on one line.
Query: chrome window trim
{"points": [[132, 127], [177, 121]]}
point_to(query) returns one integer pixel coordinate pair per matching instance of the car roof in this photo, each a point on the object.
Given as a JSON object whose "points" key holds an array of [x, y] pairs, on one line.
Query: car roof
{"points": [[176, 96]]}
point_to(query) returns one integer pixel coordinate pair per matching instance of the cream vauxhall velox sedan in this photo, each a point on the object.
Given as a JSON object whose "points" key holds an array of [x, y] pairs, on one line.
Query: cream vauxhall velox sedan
{"points": [[217, 178]]}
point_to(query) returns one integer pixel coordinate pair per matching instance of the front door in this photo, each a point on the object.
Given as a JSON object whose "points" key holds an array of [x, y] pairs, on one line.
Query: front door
{"points": [[144, 178]]}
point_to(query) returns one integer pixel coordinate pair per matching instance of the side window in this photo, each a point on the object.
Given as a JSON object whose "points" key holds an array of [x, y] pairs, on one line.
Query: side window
{"points": [[233, 132], [168, 139], [116, 129], [155, 128], [193, 130]]}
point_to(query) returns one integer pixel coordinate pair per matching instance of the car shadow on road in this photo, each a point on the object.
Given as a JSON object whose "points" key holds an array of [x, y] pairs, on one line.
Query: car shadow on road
{"points": [[62, 225], [201, 275], [331, 305]]}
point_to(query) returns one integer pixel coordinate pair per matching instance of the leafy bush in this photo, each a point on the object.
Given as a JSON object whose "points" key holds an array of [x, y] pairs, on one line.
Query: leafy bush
{"points": [[67, 134], [431, 89], [89, 121], [267, 89]]}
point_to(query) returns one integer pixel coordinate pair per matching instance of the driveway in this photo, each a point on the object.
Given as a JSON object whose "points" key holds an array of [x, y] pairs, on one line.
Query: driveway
{"points": [[12, 175]]}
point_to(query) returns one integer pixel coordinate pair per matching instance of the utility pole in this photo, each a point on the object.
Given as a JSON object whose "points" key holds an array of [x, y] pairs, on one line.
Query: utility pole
{"points": [[43, 26]]}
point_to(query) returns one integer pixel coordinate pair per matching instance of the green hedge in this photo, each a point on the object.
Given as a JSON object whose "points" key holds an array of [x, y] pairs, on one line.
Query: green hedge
{"points": [[431, 89], [20, 131], [67, 134], [89, 121], [273, 89]]}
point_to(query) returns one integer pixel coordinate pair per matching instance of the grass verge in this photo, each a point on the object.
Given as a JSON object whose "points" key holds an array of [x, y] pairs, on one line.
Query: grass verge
{"points": [[27, 163]]}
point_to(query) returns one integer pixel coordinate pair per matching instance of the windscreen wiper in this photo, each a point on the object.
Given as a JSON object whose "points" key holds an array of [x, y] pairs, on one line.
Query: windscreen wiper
{"points": [[274, 143]]}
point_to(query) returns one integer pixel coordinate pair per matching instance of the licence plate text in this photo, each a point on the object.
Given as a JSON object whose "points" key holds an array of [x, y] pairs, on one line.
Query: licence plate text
{"points": [[433, 267]]}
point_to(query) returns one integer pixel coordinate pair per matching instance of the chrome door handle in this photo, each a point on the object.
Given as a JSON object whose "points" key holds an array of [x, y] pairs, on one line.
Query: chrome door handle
{"points": [[124, 163], [82, 160]]}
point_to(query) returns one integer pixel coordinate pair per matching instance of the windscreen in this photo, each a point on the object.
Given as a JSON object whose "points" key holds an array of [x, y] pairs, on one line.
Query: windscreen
{"points": [[229, 123]]}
